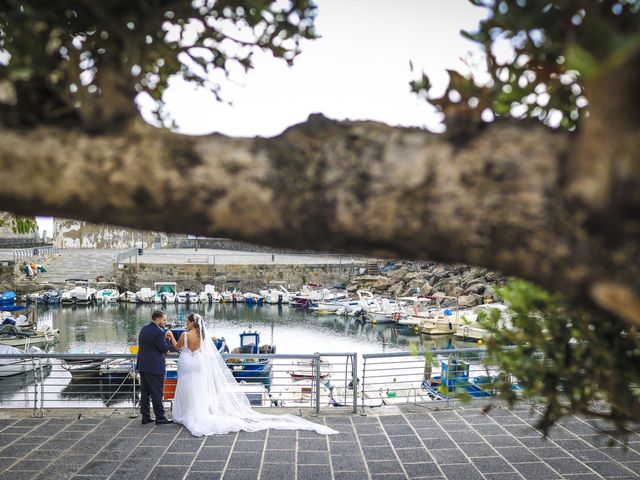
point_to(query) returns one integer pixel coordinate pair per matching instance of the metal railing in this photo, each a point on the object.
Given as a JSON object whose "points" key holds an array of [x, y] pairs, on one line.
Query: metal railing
{"points": [[126, 255], [64, 380], [444, 376], [319, 381], [24, 253]]}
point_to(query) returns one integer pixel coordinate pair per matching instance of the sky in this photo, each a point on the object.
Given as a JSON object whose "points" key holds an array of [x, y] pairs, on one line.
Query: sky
{"points": [[358, 70]]}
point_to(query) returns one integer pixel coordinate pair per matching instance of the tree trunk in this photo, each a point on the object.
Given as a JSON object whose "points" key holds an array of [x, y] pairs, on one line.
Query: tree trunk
{"points": [[499, 201]]}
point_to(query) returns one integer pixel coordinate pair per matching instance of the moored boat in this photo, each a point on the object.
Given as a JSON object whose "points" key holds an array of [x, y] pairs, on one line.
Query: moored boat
{"points": [[107, 292], [166, 292]]}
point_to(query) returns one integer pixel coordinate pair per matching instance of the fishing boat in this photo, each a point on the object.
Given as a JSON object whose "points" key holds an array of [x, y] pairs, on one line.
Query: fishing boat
{"points": [[81, 293], [454, 380], [88, 366], [253, 298], [145, 295], [166, 292], [107, 292], [120, 370], [306, 369], [251, 369], [25, 338], [231, 292], [17, 366], [210, 294], [7, 298], [48, 297], [128, 297], [276, 293], [187, 296]]}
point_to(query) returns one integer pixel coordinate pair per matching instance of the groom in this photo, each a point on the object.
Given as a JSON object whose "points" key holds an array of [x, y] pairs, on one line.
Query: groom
{"points": [[151, 365]]}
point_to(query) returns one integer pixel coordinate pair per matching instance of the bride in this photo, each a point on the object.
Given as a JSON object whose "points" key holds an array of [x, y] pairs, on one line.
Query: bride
{"points": [[208, 399]]}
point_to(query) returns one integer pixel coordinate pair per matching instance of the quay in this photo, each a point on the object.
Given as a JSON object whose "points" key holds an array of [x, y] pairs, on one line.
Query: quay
{"points": [[390, 443]]}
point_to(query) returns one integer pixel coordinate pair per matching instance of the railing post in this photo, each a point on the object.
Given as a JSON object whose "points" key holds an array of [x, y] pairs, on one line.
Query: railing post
{"points": [[35, 387], [317, 372], [41, 388], [446, 380], [364, 376], [133, 400], [354, 381]]}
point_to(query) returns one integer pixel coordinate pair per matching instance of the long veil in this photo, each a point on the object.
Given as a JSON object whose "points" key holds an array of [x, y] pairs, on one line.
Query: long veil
{"points": [[228, 407]]}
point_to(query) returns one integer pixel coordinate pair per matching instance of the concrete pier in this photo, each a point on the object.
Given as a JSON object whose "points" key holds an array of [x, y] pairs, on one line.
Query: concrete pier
{"points": [[390, 443]]}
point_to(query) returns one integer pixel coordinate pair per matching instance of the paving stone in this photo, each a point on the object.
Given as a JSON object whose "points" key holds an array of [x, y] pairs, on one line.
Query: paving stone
{"points": [[282, 433], [413, 455], [99, 467], [359, 475], [398, 429], [272, 471], [492, 465], [454, 426], [468, 472], [17, 475], [313, 472], [281, 443], [146, 452], [312, 444], [261, 435], [214, 453], [534, 442], [244, 460], [166, 472], [450, 455], [502, 441], [343, 437], [248, 446], [32, 465], [218, 440], [185, 446], [465, 436], [424, 469], [378, 453], [176, 459], [536, 470], [430, 433], [203, 475], [609, 469], [477, 449], [368, 429], [405, 441], [347, 463], [621, 454], [517, 454], [373, 441], [279, 456], [244, 474], [6, 462], [590, 455], [489, 429], [126, 474], [313, 458], [384, 466], [393, 419], [389, 476], [567, 465], [344, 448], [439, 443], [208, 466], [153, 440], [363, 419], [549, 452], [573, 444]]}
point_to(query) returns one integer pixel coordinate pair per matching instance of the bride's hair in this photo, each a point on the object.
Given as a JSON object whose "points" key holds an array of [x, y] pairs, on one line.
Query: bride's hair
{"points": [[196, 320]]}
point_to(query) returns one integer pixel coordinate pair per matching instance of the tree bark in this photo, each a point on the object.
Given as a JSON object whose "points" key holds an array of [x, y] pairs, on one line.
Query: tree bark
{"points": [[499, 201]]}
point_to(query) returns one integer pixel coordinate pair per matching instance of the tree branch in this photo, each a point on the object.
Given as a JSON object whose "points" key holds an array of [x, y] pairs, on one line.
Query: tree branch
{"points": [[336, 186]]}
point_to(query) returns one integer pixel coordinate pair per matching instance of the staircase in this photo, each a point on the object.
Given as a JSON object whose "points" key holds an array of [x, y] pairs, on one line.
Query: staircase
{"points": [[373, 268]]}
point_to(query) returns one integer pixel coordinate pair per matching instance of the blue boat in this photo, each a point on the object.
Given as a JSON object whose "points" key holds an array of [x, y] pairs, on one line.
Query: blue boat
{"points": [[251, 369], [7, 298], [454, 380]]}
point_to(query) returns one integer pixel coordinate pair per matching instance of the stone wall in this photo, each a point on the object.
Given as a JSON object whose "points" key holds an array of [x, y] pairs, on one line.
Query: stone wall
{"points": [[7, 275], [253, 277], [76, 234]]}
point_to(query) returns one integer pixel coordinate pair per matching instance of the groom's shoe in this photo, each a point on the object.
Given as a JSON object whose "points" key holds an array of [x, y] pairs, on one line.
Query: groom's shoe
{"points": [[163, 421], [146, 421]]}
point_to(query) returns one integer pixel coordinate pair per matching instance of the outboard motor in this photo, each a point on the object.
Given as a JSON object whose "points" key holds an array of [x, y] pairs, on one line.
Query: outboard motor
{"points": [[210, 297]]}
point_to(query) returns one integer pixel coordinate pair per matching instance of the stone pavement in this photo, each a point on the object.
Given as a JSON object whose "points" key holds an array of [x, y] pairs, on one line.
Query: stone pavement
{"points": [[407, 443]]}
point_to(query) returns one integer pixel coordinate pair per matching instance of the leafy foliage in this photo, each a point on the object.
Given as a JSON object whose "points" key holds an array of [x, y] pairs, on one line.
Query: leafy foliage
{"points": [[556, 47], [83, 52], [569, 359]]}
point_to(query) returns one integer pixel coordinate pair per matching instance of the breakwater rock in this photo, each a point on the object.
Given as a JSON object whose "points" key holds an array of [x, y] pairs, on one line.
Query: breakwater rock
{"points": [[471, 285]]}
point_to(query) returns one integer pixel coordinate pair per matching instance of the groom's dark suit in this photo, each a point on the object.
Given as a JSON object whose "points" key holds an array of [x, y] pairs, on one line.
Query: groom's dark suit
{"points": [[151, 365]]}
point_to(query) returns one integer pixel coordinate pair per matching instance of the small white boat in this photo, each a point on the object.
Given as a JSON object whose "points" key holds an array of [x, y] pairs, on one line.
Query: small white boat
{"points": [[145, 295], [107, 292], [187, 296], [18, 366], [83, 366], [231, 293], [166, 292], [25, 338], [128, 297], [210, 294], [81, 293], [306, 369], [276, 293]]}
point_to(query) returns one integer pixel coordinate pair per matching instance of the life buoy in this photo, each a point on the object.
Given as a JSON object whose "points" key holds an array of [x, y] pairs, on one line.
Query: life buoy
{"points": [[396, 316]]}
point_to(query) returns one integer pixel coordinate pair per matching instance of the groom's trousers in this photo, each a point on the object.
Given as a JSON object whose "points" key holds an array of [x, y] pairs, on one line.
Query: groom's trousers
{"points": [[151, 386]]}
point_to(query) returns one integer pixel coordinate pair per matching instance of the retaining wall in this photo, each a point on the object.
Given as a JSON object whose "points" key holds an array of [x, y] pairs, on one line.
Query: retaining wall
{"points": [[252, 277]]}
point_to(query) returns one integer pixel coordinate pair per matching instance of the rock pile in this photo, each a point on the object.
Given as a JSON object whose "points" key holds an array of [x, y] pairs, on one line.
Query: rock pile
{"points": [[471, 285]]}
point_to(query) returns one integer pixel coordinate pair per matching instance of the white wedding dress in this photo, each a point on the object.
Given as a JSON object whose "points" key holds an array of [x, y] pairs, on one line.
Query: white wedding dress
{"points": [[208, 400]]}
